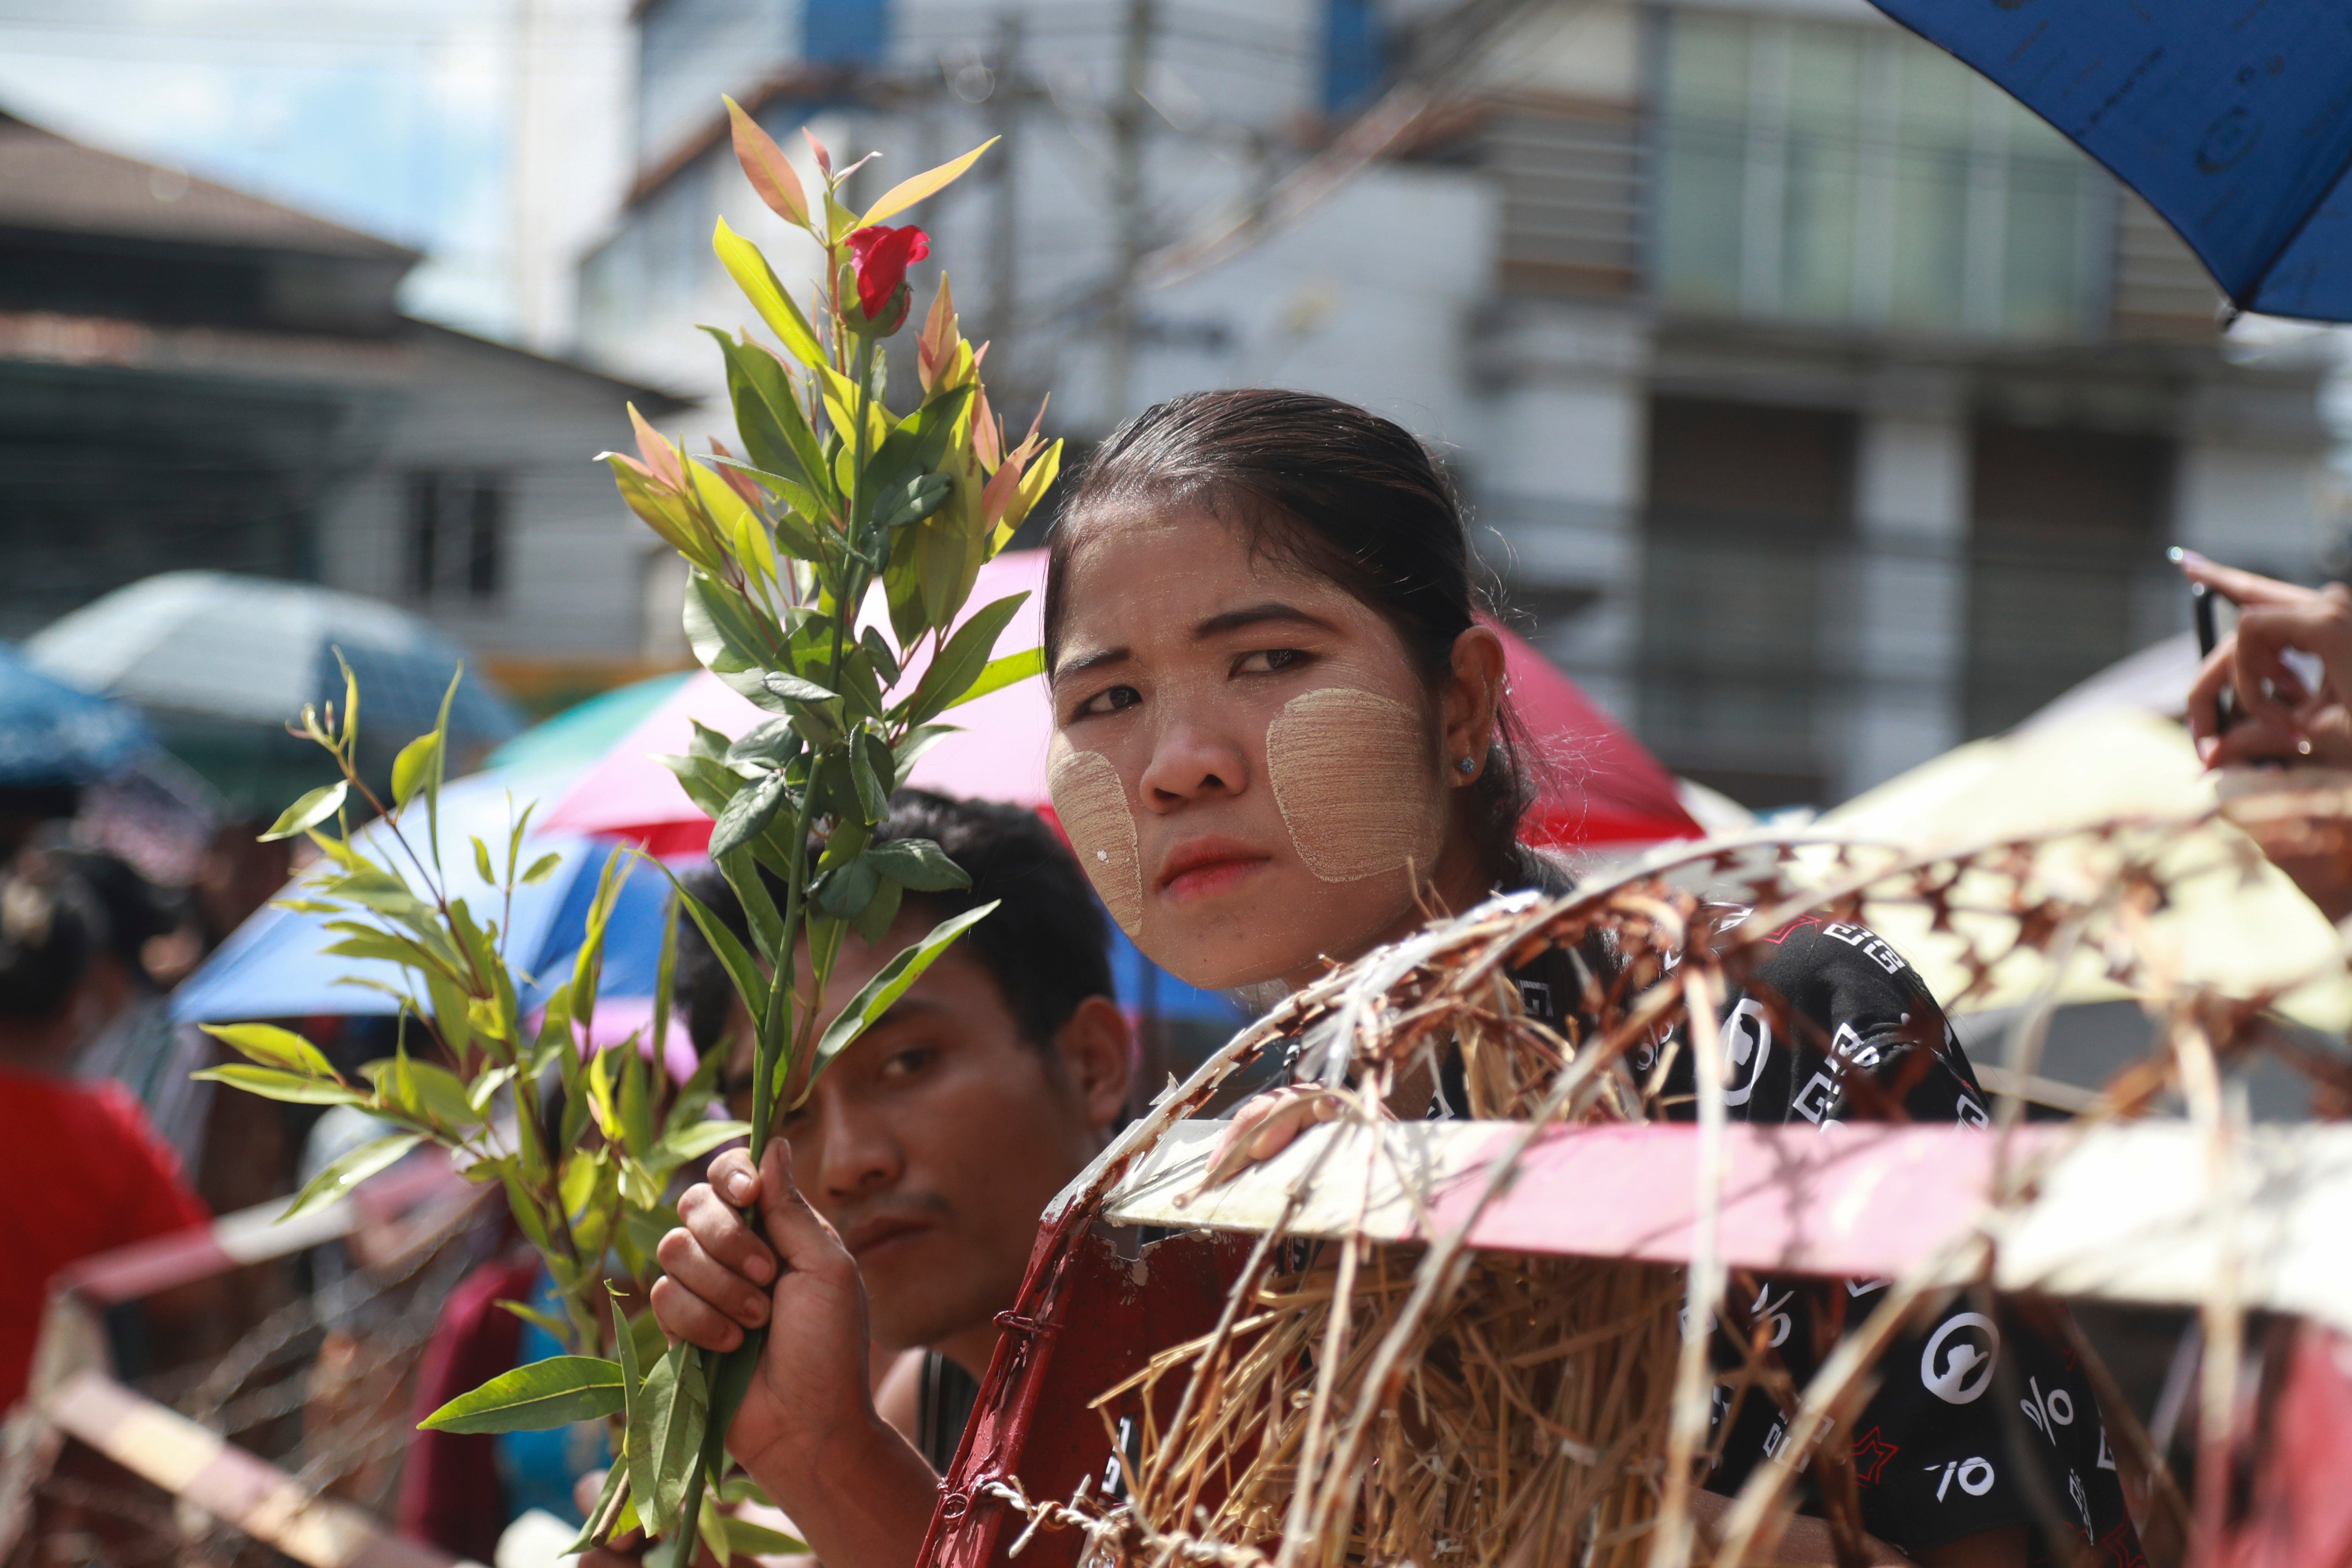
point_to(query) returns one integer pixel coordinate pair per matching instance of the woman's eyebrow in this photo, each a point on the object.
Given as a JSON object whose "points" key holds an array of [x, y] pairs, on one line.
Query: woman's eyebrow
{"points": [[1249, 616], [1094, 660], [1258, 615]]}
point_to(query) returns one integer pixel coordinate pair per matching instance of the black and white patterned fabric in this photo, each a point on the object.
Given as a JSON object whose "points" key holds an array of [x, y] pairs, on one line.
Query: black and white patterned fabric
{"points": [[1974, 1414]]}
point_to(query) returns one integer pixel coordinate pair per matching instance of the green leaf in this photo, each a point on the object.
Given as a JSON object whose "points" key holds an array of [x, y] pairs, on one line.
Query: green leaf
{"points": [[272, 1046], [626, 1342], [907, 192], [768, 745], [794, 688], [595, 1521], [765, 922], [750, 983], [308, 813], [958, 665], [438, 766], [775, 427], [877, 648], [869, 764], [712, 1530], [666, 1443], [999, 674], [424, 1092], [849, 887], [547, 1323], [878, 994], [873, 923], [541, 869], [662, 510], [293, 1088], [414, 767], [742, 1535], [793, 533], [913, 745], [693, 1143], [726, 637], [350, 1171], [747, 816], [534, 1397], [918, 864], [912, 501], [758, 281]]}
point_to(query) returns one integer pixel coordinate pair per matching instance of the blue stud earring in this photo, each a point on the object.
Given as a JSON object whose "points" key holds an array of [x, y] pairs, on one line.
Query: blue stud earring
{"points": [[1467, 765]]}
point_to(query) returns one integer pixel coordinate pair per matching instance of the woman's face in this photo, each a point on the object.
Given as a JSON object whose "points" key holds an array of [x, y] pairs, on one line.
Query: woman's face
{"points": [[1245, 762]]}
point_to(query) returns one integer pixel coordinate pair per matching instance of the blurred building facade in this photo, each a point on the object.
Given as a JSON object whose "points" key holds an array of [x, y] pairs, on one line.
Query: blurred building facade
{"points": [[1821, 406], [193, 377]]}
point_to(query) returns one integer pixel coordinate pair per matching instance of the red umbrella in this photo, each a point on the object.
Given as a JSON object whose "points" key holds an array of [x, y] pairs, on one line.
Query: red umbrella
{"points": [[1597, 784]]}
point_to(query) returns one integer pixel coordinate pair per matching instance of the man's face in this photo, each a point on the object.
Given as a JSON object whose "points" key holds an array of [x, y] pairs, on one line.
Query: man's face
{"points": [[934, 1142]]}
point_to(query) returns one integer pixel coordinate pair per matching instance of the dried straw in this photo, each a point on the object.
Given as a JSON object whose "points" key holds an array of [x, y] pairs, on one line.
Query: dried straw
{"points": [[1362, 1402]]}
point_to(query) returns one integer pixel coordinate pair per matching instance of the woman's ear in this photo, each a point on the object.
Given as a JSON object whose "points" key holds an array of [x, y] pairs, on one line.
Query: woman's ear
{"points": [[1472, 702], [1096, 1048]]}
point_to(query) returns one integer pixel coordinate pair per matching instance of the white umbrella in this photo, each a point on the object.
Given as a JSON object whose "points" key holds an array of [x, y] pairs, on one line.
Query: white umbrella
{"points": [[215, 648]]}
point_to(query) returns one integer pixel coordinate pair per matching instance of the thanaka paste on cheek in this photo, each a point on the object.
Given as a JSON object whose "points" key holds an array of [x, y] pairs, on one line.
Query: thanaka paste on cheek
{"points": [[1350, 771], [1092, 803]]}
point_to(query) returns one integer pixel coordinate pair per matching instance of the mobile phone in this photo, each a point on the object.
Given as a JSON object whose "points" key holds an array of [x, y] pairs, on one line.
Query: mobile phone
{"points": [[2200, 604]]}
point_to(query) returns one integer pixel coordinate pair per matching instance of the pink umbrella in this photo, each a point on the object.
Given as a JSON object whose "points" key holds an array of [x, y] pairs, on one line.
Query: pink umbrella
{"points": [[1597, 785]]}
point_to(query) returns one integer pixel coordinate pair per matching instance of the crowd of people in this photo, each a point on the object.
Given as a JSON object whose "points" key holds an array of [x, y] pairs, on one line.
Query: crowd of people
{"points": [[1281, 737]]}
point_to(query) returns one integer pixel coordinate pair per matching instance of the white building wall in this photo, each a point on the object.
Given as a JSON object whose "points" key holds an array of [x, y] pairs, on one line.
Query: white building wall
{"points": [[1365, 299], [573, 565]]}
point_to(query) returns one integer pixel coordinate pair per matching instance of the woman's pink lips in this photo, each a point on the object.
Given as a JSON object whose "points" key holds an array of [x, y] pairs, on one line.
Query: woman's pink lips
{"points": [[1210, 877]]}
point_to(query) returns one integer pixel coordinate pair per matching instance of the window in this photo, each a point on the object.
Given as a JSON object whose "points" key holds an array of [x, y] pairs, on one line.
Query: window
{"points": [[844, 32], [2063, 532], [1849, 176], [1351, 54], [457, 535], [1748, 510]]}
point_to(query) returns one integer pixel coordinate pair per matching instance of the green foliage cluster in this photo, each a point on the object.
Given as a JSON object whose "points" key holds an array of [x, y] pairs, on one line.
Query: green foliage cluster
{"points": [[836, 503]]}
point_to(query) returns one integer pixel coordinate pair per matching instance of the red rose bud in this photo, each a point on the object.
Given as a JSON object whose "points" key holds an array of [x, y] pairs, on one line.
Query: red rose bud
{"points": [[882, 256]]}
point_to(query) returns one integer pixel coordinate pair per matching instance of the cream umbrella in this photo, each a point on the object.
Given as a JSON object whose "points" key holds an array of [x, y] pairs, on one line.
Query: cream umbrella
{"points": [[2231, 922]]}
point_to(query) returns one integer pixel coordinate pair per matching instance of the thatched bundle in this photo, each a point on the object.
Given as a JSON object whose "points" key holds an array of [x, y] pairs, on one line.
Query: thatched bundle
{"points": [[1526, 1430], [1366, 1400]]}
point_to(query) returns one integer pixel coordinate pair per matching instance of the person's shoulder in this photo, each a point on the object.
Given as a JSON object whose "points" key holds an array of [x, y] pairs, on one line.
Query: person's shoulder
{"points": [[1819, 949], [92, 1119]]}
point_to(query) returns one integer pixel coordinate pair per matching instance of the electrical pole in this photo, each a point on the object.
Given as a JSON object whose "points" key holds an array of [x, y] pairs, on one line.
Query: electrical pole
{"points": [[523, 212], [1003, 251], [1126, 202]]}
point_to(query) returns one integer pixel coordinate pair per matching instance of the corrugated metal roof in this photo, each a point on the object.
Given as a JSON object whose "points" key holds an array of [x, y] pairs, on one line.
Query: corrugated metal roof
{"points": [[48, 182]]}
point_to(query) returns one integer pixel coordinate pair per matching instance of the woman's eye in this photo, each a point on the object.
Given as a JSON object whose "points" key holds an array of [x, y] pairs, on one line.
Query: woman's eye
{"points": [[1267, 661], [906, 1064], [1111, 700]]}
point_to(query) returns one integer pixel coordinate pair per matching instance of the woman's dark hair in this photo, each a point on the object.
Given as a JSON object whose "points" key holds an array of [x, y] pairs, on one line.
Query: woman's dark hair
{"points": [[1046, 944], [1337, 490], [49, 929]]}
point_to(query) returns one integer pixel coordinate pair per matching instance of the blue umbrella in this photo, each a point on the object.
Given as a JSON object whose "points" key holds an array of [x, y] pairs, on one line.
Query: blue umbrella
{"points": [[52, 733], [2234, 120]]}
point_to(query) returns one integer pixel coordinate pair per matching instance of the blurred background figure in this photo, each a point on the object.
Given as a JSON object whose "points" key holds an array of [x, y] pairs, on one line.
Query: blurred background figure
{"points": [[80, 1169]]}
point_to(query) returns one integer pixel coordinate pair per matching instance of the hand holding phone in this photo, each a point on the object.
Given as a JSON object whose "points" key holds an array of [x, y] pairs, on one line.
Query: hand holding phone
{"points": [[2249, 702]]}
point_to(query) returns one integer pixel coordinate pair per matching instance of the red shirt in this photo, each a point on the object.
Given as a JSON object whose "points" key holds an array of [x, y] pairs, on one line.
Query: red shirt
{"points": [[80, 1173]]}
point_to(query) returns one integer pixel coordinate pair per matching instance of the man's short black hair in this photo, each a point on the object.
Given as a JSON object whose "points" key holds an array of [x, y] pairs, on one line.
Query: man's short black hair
{"points": [[1046, 944]]}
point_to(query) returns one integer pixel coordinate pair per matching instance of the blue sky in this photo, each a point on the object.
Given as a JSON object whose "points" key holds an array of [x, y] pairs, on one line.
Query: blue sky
{"points": [[392, 117]]}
